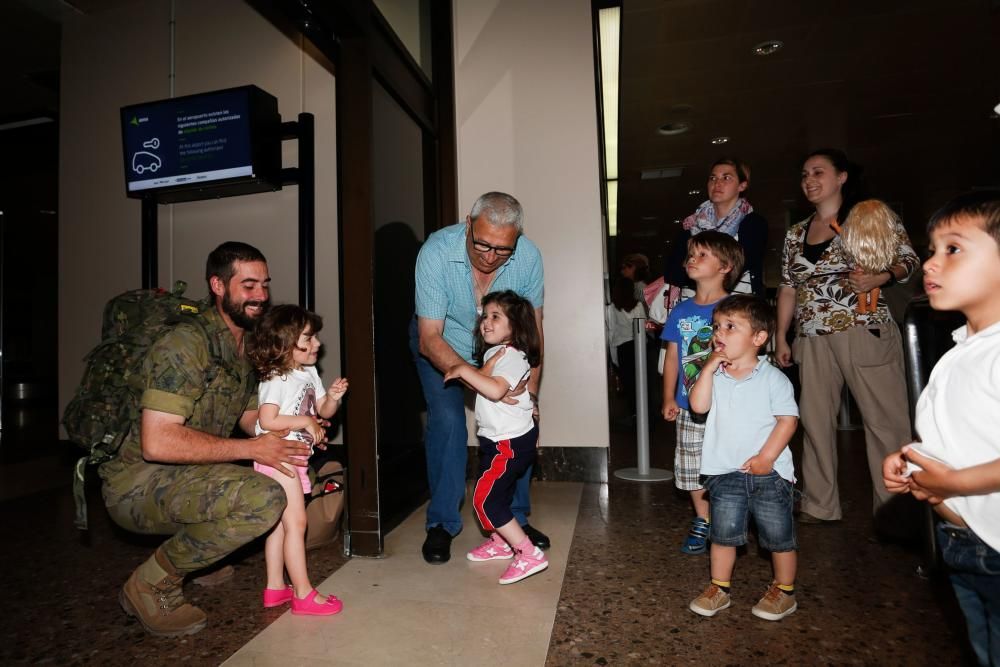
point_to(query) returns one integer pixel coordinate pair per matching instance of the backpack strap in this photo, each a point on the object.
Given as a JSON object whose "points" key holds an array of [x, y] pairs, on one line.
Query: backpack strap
{"points": [[212, 342], [79, 493], [214, 348]]}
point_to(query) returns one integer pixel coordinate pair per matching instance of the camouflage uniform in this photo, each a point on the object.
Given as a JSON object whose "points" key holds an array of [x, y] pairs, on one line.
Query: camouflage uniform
{"points": [[209, 509]]}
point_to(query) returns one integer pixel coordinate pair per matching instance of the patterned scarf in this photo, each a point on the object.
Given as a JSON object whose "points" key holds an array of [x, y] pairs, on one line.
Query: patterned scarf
{"points": [[703, 219]]}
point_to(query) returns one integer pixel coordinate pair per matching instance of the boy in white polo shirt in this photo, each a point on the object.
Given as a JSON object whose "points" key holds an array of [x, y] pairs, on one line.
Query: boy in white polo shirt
{"points": [[745, 463], [956, 465]]}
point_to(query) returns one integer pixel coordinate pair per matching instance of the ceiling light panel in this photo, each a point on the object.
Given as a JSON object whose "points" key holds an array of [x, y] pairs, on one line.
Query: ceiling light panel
{"points": [[768, 47], [672, 129], [664, 172]]}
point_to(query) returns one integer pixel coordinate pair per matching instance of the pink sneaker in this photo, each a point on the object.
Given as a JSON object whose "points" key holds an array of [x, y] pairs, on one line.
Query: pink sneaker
{"points": [[525, 564], [495, 548]]}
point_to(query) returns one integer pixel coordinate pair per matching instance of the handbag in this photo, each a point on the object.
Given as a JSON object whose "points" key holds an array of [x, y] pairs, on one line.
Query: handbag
{"points": [[653, 293], [325, 506]]}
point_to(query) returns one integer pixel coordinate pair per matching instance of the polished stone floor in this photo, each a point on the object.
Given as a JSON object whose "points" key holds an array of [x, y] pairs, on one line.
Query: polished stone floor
{"points": [[623, 599], [399, 610], [627, 586]]}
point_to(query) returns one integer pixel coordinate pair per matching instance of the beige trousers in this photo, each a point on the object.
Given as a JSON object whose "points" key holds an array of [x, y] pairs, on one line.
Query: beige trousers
{"points": [[870, 360]]}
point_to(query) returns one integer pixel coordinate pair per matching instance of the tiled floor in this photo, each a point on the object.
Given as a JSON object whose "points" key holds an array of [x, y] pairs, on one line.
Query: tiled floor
{"points": [[623, 600], [399, 610]]}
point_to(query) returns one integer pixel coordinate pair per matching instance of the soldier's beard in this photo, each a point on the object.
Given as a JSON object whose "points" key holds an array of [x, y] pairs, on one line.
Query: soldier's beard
{"points": [[237, 313]]}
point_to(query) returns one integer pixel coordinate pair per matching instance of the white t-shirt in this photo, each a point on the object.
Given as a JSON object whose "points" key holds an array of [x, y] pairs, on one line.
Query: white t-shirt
{"points": [[498, 420], [295, 394], [958, 419]]}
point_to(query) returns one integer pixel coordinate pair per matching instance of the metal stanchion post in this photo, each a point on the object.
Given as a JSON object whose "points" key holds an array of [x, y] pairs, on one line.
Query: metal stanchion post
{"points": [[642, 473]]}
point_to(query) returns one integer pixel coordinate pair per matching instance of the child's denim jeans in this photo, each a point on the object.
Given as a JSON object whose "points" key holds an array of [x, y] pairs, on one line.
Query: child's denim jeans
{"points": [[975, 576]]}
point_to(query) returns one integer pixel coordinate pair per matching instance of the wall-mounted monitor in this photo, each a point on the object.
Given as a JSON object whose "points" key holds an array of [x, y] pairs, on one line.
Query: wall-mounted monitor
{"points": [[217, 144]]}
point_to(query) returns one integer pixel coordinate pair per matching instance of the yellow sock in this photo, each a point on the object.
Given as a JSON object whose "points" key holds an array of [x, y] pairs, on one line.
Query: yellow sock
{"points": [[787, 588], [724, 585]]}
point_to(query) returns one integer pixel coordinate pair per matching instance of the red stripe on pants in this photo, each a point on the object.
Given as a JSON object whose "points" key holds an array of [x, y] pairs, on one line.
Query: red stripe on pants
{"points": [[498, 466]]}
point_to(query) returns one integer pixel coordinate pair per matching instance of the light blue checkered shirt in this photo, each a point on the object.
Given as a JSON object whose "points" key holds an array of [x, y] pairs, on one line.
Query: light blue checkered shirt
{"points": [[444, 284]]}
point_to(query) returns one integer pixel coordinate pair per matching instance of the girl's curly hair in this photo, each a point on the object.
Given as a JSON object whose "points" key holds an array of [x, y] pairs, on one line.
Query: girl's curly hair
{"points": [[523, 328], [270, 345]]}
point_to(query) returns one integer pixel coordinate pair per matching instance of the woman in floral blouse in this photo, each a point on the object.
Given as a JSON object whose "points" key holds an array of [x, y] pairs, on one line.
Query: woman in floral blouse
{"points": [[836, 344]]}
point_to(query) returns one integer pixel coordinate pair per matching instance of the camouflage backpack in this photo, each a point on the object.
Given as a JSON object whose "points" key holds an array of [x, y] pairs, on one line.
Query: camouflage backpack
{"points": [[106, 403]]}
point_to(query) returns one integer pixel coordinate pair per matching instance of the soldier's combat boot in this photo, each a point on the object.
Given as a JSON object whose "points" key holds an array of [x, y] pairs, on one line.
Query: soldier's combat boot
{"points": [[153, 594]]}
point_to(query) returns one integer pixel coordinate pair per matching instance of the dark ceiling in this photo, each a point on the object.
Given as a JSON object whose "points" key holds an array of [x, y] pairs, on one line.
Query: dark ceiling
{"points": [[905, 87], [29, 53]]}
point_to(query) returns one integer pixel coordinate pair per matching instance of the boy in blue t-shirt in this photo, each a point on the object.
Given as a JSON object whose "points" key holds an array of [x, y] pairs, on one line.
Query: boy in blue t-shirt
{"points": [[715, 263], [746, 466]]}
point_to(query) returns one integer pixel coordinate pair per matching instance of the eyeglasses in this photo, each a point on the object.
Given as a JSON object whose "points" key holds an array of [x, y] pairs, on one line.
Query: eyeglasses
{"points": [[480, 246]]}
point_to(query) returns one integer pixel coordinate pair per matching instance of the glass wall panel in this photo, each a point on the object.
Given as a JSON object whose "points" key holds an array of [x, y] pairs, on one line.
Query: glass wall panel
{"points": [[411, 21], [398, 221]]}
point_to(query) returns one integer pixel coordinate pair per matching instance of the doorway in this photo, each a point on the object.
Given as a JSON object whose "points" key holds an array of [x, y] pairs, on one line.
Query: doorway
{"points": [[396, 184], [28, 283]]}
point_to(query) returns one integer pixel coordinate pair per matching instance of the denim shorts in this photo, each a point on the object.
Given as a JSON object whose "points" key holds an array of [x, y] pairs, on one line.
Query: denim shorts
{"points": [[737, 496]]}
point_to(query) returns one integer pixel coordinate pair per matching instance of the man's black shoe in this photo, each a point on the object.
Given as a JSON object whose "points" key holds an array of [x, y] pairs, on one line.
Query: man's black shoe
{"points": [[537, 537], [437, 546]]}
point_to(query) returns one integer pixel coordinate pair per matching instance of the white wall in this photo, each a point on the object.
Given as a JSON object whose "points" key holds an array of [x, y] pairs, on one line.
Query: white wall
{"points": [[121, 57], [526, 115], [527, 125]]}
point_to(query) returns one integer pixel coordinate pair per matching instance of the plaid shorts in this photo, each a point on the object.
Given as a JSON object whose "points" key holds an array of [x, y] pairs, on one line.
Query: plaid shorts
{"points": [[687, 456]]}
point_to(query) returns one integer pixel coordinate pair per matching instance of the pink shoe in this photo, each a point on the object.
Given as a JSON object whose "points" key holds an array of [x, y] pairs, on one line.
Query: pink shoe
{"points": [[525, 564], [495, 548], [308, 606], [276, 598]]}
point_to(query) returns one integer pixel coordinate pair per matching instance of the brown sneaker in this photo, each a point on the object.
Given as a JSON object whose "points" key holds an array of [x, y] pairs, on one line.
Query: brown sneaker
{"points": [[775, 605], [215, 577], [153, 595], [710, 602]]}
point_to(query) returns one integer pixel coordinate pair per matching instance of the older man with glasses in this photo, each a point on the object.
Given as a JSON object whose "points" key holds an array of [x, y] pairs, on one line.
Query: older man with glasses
{"points": [[456, 268]]}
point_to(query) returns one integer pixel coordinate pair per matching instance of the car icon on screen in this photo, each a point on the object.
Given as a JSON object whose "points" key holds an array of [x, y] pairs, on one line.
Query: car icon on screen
{"points": [[145, 161]]}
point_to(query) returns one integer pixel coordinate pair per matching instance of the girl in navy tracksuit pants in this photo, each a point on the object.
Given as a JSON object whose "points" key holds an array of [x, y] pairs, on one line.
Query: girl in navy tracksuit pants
{"points": [[509, 344]]}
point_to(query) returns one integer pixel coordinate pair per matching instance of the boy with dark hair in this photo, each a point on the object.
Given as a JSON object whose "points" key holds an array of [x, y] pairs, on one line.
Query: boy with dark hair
{"points": [[746, 466], [714, 262], [957, 465]]}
